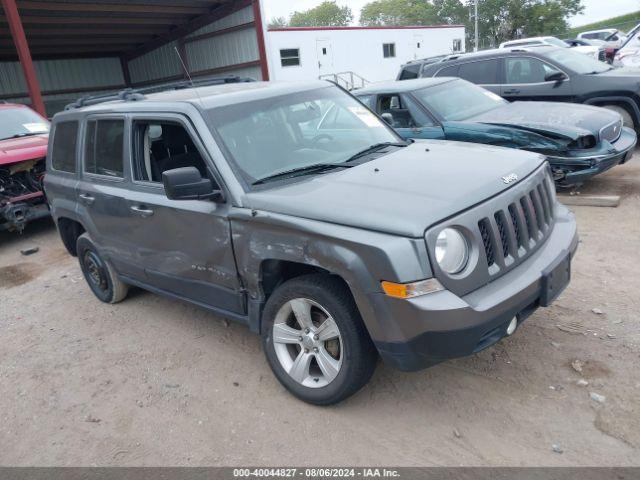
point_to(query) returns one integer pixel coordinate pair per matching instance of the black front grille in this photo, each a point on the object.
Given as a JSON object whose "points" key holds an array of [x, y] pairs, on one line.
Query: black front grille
{"points": [[602, 56], [485, 229], [524, 224]]}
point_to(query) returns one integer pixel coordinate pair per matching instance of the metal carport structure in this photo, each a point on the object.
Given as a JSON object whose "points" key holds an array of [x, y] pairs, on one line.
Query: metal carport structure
{"points": [[52, 51]]}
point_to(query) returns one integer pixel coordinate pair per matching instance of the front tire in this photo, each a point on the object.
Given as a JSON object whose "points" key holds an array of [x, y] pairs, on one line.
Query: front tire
{"points": [[315, 341], [99, 274]]}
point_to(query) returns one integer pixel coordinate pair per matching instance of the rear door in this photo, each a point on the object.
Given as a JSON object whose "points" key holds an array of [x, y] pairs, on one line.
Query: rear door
{"points": [[103, 188], [525, 79]]}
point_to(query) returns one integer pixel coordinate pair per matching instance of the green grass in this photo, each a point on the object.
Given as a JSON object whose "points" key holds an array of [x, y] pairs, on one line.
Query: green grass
{"points": [[621, 22]]}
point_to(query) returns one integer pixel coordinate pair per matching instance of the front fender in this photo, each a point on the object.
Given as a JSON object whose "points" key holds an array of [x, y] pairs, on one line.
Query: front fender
{"points": [[361, 258]]}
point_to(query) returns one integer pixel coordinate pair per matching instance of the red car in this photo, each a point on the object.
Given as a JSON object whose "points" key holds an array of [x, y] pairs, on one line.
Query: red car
{"points": [[23, 147]]}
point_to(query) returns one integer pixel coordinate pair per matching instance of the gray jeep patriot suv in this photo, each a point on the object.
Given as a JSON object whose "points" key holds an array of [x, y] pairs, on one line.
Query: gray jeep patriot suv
{"points": [[295, 210]]}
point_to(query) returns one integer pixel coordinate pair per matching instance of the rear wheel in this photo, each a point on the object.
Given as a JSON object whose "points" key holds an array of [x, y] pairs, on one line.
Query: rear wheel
{"points": [[315, 341], [627, 119], [99, 274]]}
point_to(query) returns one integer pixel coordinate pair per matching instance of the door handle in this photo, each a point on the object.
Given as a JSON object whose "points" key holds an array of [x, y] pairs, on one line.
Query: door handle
{"points": [[87, 199], [142, 211], [511, 91]]}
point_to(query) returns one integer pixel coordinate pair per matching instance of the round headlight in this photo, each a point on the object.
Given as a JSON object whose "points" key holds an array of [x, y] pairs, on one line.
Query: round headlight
{"points": [[452, 250]]}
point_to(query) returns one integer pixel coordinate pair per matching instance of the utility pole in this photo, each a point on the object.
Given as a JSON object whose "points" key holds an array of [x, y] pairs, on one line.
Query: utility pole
{"points": [[475, 18]]}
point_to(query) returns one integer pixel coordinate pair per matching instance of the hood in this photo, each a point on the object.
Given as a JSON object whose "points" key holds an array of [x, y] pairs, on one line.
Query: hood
{"points": [[560, 119], [404, 192], [14, 150]]}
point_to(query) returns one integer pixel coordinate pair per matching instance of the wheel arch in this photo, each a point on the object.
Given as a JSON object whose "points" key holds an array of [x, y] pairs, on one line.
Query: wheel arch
{"points": [[625, 102], [70, 230]]}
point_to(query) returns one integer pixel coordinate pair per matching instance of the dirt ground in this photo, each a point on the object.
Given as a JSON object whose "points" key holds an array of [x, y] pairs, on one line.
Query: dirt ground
{"points": [[152, 381]]}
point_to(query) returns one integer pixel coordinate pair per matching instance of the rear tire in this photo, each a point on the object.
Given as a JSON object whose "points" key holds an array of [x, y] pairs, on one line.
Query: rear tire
{"points": [[627, 118], [99, 274], [322, 353]]}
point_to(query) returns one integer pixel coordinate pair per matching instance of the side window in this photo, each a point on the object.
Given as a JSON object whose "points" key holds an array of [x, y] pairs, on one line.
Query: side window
{"points": [[63, 153], [160, 146], [457, 45], [103, 148], [451, 71], [420, 118], [366, 99], [481, 73], [389, 50], [396, 106], [410, 72], [526, 70]]}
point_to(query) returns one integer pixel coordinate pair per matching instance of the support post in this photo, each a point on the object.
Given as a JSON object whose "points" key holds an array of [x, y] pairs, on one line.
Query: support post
{"points": [[24, 55], [257, 19]]}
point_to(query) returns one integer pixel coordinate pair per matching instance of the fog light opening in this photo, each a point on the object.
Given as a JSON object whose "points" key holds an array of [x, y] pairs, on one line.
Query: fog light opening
{"points": [[513, 324]]}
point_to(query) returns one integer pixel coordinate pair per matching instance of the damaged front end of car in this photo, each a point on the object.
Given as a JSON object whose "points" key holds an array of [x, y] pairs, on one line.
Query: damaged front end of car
{"points": [[21, 194], [575, 155]]}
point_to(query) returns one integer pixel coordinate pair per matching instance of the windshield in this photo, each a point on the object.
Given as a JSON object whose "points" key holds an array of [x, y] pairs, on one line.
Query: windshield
{"points": [[458, 100], [21, 122], [578, 62], [290, 132]]}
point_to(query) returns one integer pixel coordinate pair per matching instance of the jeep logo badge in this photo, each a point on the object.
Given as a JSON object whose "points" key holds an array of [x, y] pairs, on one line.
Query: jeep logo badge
{"points": [[512, 177]]}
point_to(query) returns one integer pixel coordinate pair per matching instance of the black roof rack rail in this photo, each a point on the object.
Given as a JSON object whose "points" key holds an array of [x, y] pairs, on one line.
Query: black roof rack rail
{"points": [[137, 94]]}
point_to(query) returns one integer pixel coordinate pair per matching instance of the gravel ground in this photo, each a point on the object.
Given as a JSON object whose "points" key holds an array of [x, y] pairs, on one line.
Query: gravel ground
{"points": [[153, 381]]}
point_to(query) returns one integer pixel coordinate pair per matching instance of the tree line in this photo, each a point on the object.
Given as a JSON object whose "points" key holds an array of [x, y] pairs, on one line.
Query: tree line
{"points": [[498, 20]]}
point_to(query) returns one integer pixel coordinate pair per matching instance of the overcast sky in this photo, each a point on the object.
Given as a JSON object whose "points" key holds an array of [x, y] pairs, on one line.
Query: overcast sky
{"points": [[594, 11]]}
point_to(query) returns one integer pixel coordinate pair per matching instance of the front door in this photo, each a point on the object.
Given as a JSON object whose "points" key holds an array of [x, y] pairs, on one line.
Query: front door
{"points": [[184, 246], [325, 57], [525, 78]]}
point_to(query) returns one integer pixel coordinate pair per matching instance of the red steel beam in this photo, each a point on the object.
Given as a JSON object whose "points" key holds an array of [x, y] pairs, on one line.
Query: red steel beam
{"points": [[20, 40], [257, 18]]}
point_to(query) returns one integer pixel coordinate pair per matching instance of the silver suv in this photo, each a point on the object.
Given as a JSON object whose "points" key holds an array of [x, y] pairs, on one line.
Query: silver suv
{"points": [[295, 210]]}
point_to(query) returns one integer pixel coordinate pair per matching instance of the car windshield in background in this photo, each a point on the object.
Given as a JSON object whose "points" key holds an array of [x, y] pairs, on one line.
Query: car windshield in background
{"points": [[21, 122], [293, 132], [556, 42], [578, 62], [458, 100]]}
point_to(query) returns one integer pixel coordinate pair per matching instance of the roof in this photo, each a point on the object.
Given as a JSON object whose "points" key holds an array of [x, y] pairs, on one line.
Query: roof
{"points": [[208, 97], [500, 51], [75, 28], [400, 86], [381, 27]]}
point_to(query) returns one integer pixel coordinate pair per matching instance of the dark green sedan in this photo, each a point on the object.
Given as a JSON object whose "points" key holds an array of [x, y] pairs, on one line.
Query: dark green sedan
{"points": [[580, 141]]}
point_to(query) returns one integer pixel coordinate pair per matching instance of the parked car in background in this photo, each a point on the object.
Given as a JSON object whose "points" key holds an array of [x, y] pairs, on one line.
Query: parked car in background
{"points": [[337, 244], [628, 55], [547, 74], [580, 141], [597, 52], [609, 51], [614, 38], [23, 147]]}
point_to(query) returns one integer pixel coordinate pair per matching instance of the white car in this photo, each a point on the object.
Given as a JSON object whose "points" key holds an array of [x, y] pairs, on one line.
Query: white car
{"points": [[592, 51], [614, 38], [629, 53]]}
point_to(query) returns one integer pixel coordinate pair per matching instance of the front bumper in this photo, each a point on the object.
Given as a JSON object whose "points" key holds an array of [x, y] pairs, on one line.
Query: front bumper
{"points": [[576, 170], [441, 325]]}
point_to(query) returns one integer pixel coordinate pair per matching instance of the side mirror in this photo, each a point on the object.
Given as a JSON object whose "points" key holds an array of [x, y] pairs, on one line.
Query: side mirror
{"points": [[186, 183], [555, 77], [387, 117]]}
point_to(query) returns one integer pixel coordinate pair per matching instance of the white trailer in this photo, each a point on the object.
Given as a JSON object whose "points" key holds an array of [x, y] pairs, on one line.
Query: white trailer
{"points": [[354, 53]]}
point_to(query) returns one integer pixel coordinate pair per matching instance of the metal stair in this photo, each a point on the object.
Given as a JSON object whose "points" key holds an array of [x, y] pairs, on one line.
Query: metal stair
{"points": [[347, 80]]}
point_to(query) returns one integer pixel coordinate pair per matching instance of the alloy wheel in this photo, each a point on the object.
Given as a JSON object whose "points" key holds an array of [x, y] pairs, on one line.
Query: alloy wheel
{"points": [[307, 343]]}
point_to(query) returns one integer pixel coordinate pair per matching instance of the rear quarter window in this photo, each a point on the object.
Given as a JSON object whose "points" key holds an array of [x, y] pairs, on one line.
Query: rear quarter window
{"points": [[481, 73], [63, 152]]}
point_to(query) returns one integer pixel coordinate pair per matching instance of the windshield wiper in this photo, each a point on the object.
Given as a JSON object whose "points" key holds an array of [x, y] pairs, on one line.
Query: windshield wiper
{"points": [[295, 172], [375, 148], [24, 134]]}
